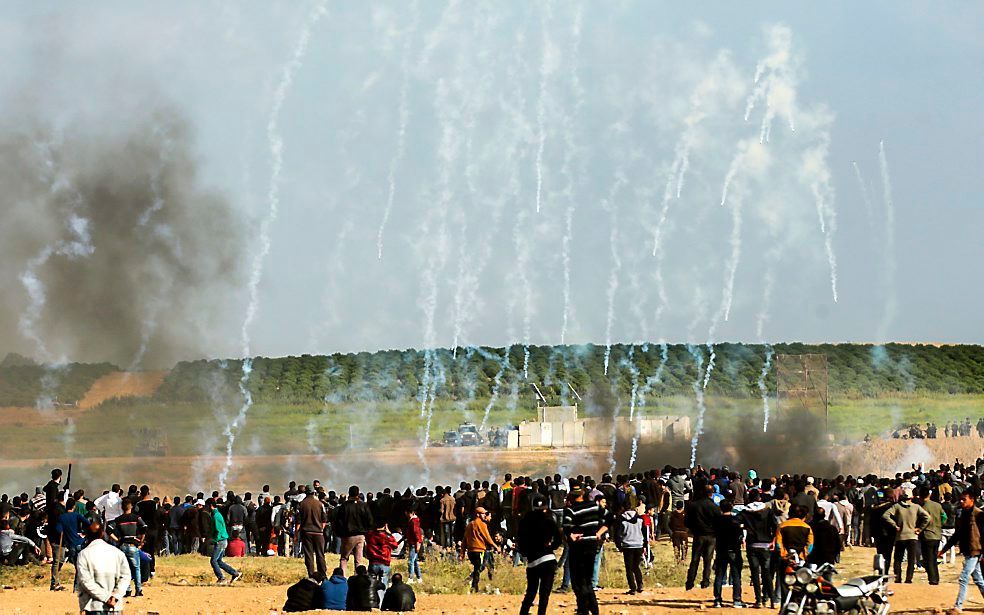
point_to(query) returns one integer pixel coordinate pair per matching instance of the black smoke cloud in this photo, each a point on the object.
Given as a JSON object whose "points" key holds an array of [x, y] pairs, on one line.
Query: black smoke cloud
{"points": [[153, 273]]}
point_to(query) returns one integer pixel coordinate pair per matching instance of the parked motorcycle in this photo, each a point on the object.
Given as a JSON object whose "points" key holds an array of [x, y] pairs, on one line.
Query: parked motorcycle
{"points": [[808, 590]]}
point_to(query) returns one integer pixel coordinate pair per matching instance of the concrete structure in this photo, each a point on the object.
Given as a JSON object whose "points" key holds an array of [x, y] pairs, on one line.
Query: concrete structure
{"points": [[595, 431]]}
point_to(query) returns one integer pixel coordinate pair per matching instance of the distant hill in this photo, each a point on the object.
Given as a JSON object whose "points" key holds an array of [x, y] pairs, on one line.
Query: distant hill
{"points": [[15, 360], [120, 385], [24, 385]]}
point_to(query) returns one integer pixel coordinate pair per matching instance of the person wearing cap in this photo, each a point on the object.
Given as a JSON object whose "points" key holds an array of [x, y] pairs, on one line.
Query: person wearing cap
{"points": [[909, 519], [537, 538], [476, 542]]}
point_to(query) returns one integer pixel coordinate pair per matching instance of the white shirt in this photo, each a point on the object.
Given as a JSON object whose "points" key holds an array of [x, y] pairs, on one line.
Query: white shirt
{"points": [[110, 505]]}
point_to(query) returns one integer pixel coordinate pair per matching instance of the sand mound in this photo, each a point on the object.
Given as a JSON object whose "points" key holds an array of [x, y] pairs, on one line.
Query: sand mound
{"points": [[116, 385]]}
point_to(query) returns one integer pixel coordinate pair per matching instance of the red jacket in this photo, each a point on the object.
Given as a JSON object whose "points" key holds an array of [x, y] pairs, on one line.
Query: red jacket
{"points": [[413, 535], [379, 547]]}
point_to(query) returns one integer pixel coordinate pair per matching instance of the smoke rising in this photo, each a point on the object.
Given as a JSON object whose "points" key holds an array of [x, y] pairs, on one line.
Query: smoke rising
{"points": [[101, 230]]}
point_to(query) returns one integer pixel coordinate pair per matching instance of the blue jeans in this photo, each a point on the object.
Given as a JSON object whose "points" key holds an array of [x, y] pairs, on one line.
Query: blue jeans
{"points": [[413, 567], [218, 551], [381, 571], [971, 569], [132, 553], [597, 566]]}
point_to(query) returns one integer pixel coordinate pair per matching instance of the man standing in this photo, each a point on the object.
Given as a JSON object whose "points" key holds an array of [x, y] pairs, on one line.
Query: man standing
{"points": [[760, 525], [352, 520], [929, 538], [909, 520], [538, 538], [728, 531], [476, 541], [313, 520], [968, 532], [700, 521], [110, 504], [220, 540], [584, 526], [103, 575], [128, 530]]}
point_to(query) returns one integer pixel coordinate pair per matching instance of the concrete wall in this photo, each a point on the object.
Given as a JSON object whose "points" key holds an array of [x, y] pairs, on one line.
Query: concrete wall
{"points": [[597, 432]]}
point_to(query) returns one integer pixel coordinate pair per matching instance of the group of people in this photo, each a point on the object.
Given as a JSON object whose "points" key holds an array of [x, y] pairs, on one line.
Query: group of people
{"points": [[557, 526], [930, 431]]}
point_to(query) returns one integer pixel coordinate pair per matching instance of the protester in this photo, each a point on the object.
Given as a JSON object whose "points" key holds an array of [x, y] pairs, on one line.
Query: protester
{"points": [[352, 520], [305, 595], [909, 519], [379, 549], [103, 575], [16, 549], [538, 537], [413, 539], [334, 591], [128, 530], [700, 518], [360, 591], [630, 539], [399, 597], [220, 541], [932, 534], [968, 536], [584, 527], [312, 521], [728, 536], [476, 542]]}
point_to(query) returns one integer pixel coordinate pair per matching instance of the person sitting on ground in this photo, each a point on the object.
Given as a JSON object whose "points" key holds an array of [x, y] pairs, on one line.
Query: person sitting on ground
{"points": [[359, 596], [16, 549], [399, 597], [305, 595], [334, 591], [102, 574]]}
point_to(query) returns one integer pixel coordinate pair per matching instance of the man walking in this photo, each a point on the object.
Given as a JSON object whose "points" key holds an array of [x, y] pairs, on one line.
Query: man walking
{"points": [[220, 540], [312, 521], [477, 540], [352, 520], [128, 531], [968, 532]]}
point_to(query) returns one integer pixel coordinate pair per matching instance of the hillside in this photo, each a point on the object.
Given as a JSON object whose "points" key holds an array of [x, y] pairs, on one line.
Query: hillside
{"points": [[23, 385]]}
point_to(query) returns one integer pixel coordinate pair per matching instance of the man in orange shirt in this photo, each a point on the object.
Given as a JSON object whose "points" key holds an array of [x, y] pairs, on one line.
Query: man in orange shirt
{"points": [[477, 541]]}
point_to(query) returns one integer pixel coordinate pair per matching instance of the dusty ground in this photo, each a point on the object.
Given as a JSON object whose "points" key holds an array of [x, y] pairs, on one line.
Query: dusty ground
{"points": [[169, 594], [266, 599]]}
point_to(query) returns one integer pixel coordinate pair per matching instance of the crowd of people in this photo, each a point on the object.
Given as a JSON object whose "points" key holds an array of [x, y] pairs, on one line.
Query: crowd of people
{"points": [[930, 431], [718, 520]]}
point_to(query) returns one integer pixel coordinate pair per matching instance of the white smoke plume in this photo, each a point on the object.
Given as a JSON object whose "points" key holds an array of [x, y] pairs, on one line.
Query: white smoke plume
{"points": [[276, 145], [611, 205], [776, 78]]}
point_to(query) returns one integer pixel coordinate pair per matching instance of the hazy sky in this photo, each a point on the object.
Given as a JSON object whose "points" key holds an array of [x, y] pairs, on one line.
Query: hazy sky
{"points": [[588, 109]]}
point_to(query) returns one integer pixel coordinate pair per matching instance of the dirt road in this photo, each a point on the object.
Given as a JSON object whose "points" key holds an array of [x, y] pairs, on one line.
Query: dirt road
{"points": [[918, 598]]}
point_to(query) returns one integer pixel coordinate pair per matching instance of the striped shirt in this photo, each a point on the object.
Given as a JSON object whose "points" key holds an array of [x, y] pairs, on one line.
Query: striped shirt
{"points": [[584, 518]]}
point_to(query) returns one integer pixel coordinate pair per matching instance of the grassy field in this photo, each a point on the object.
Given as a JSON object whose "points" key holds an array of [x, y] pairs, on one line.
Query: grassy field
{"points": [[196, 429]]}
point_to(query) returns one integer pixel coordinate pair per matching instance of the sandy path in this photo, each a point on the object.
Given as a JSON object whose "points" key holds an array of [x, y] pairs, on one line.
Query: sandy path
{"points": [[917, 598]]}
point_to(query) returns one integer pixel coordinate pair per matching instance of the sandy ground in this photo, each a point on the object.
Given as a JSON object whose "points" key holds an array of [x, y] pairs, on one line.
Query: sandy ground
{"points": [[122, 384], [917, 598]]}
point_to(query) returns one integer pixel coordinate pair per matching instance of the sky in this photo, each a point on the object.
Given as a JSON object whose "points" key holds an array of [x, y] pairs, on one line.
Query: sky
{"points": [[384, 164]]}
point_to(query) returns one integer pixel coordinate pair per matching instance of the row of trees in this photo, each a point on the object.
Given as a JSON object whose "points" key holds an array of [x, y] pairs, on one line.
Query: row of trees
{"points": [[648, 369], [29, 385]]}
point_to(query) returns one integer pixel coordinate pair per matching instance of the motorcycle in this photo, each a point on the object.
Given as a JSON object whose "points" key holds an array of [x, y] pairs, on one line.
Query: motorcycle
{"points": [[808, 590]]}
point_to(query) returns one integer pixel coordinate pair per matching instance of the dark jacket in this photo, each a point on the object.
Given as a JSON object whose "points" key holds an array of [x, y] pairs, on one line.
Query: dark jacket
{"points": [[305, 595], [538, 535], [700, 517], [399, 597], [728, 533], [352, 518], [826, 542], [359, 596], [964, 535], [312, 516], [760, 526]]}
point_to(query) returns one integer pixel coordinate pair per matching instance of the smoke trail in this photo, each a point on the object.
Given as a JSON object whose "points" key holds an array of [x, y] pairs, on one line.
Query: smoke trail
{"points": [[889, 254], [775, 82], [869, 208], [571, 151], [633, 369], [817, 172], [403, 114], [612, 207], [766, 367], [548, 62], [496, 385], [273, 199], [701, 408]]}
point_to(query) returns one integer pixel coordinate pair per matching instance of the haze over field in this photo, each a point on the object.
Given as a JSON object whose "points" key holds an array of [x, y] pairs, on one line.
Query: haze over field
{"points": [[431, 174]]}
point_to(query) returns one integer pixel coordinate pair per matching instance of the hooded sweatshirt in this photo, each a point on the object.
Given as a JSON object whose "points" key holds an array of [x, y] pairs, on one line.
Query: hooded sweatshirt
{"points": [[334, 592], [630, 530]]}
